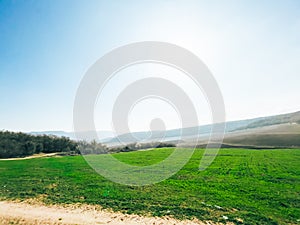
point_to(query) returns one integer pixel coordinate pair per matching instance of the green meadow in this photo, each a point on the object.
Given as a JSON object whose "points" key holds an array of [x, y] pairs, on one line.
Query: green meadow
{"points": [[242, 186]]}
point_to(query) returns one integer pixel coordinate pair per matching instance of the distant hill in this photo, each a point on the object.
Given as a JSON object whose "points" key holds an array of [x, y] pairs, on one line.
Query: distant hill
{"points": [[273, 120], [85, 135], [110, 138], [175, 134], [280, 130], [55, 133], [281, 135]]}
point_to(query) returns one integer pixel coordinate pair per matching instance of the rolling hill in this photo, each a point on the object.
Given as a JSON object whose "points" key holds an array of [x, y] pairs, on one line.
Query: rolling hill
{"points": [[273, 131]]}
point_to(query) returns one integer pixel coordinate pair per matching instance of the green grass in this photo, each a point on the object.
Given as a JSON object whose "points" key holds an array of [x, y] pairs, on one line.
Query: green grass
{"points": [[258, 186]]}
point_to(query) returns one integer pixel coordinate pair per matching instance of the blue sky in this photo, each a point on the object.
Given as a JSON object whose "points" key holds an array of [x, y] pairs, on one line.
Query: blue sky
{"points": [[251, 47]]}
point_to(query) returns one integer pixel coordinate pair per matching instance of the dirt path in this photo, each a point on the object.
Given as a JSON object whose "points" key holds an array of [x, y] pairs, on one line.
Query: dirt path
{"points": [[33, 214], [32, 156]]}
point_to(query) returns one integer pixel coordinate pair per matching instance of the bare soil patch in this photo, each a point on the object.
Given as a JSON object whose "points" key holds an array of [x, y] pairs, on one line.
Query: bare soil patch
{"points": [[37, 213]]}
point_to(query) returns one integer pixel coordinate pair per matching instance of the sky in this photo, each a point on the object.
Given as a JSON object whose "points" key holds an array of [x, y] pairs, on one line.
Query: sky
{"points": [[251, 47]]}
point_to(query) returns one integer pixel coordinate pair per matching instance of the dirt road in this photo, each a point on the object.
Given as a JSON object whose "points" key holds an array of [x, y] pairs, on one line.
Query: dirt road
{"points": [[33, 214], [32, 156]]}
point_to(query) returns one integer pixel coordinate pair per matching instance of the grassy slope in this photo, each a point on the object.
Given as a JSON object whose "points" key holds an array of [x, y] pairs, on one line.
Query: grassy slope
{"points": [[259, 186]]}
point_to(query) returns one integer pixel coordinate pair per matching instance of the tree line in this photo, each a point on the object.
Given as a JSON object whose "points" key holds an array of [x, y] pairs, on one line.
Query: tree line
{"points": [[138, 146], [19, 144], [94, 147]]}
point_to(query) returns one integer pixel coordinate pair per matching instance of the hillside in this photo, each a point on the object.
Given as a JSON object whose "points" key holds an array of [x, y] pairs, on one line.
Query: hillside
{"points": [[281, 135], [175, 135], [273, 120], [276, 131]]}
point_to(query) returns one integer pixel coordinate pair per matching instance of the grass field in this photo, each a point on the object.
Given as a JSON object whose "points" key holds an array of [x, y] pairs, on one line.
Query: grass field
{"points": [[253, 186]]}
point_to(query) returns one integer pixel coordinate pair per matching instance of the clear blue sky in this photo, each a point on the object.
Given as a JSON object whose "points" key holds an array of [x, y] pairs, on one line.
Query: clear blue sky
{"points": [[251, 47]]}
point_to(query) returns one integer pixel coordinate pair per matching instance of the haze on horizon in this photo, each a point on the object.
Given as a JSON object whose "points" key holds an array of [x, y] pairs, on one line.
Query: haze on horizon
{"points": [[252, 49]]}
